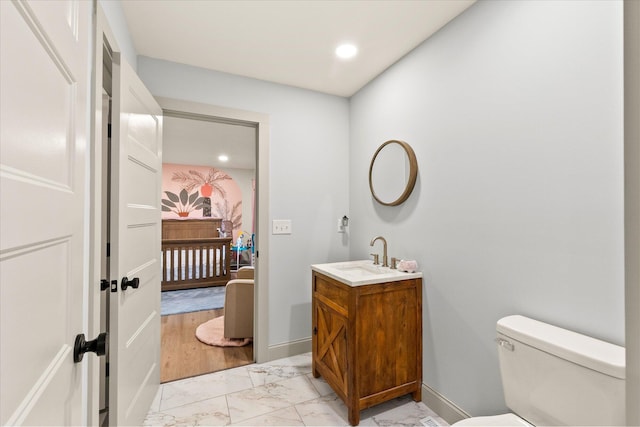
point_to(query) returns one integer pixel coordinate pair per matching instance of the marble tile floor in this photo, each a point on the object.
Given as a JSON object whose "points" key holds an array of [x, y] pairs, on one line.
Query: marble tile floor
{"points": [[278, 393]]}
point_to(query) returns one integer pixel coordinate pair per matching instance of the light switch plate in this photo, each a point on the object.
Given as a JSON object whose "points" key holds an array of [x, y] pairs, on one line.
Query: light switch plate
{"points": [[281, 226]]}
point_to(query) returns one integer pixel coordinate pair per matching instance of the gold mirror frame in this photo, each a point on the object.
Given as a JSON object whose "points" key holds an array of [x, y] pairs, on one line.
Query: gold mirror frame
{"points": [[413, 173]]}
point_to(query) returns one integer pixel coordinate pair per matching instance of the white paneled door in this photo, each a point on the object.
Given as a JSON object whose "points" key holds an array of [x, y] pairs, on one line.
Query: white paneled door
{"points": [[135, 242], [44, 127]]}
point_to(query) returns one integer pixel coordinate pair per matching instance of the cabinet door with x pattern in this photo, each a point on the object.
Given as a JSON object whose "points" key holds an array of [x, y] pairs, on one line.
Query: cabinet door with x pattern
{"points": [[330, 332]]}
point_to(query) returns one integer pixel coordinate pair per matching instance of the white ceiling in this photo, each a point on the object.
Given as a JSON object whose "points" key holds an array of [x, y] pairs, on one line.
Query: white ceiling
{"points": [[289, 42], [200, 142]]}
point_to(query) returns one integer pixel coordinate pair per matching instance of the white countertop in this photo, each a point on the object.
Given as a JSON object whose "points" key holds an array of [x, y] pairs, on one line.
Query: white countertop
{"points": [[363, 272]]}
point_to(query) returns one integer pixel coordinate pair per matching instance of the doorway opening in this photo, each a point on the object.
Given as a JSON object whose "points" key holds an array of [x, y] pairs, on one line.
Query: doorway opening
{"points": [[209, 228], [260, 122]]}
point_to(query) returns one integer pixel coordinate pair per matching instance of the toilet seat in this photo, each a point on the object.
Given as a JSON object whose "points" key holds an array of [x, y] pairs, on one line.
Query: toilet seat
{"points": [[494, 421]]}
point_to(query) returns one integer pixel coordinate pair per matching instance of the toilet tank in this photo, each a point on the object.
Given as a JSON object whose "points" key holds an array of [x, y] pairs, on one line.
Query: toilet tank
{"points": [[553, 376]]}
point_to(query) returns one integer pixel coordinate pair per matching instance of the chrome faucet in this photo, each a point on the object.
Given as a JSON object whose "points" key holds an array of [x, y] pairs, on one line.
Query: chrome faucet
{"points": [[385, 262]]}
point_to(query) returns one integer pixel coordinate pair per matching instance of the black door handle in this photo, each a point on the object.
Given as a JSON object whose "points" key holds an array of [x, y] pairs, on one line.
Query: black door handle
{"points": [[125, 283], [97, 346]]}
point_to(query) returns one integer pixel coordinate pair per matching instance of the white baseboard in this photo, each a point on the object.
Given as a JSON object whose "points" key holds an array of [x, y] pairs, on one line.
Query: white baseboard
{"points": [[446, 409], [291, 348]]}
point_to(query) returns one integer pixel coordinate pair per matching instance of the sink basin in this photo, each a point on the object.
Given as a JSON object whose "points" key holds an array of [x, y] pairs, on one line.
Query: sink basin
{"points": [[360, 270], [363, 272]]}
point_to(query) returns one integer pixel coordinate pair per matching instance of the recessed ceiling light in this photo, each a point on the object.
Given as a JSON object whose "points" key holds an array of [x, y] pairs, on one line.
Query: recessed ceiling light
{"points": [[223, 157], [346, 51]]}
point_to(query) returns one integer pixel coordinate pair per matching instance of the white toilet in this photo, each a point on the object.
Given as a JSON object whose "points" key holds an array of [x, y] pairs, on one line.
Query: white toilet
{"points": [[552, 376]]}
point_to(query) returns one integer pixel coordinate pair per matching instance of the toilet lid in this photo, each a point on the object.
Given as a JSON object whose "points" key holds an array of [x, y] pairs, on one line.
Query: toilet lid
{"points": [[494, 421]]}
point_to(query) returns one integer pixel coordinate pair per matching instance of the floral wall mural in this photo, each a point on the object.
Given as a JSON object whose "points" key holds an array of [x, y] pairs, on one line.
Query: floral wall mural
{"points": [[190, 191]]}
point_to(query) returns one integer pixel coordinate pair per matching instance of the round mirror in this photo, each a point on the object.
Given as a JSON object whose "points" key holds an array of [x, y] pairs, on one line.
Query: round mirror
{"points": [[393, 173]]}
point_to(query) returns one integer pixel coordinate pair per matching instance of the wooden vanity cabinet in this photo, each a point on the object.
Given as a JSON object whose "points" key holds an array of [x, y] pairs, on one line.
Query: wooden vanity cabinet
{"points": [[367, 340]]}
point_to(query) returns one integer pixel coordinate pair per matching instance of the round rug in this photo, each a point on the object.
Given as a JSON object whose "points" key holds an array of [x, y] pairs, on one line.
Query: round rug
{"points": [[212, 332]]}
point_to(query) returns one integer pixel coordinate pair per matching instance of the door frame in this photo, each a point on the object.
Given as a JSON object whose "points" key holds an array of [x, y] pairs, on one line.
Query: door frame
{"points": [[632, 205], [95, 204], [261, 123]]}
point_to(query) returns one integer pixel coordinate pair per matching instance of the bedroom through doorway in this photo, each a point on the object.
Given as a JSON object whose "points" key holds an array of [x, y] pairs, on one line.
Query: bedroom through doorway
{"points": [[209, 234]]}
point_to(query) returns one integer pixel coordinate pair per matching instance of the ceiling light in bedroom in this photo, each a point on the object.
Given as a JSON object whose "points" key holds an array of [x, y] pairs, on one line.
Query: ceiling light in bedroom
{"points": [[346, 51], [223, 158]]}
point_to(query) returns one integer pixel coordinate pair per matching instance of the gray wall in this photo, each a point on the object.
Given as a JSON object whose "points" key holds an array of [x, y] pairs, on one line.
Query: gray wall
{"points": [[514, 110], [309, 175]]}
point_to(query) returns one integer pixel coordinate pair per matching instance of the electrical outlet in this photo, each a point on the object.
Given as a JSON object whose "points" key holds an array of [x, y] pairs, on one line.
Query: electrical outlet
{"points": [[281, 226]]}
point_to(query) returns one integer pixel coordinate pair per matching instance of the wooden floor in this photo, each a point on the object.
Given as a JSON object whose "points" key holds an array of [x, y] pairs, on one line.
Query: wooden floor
{"points": [[182, 355]]}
